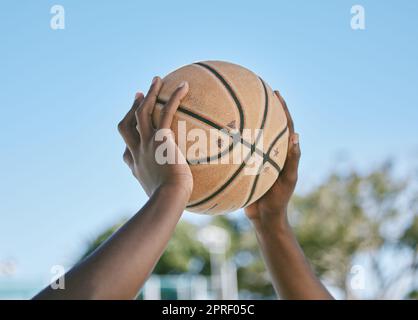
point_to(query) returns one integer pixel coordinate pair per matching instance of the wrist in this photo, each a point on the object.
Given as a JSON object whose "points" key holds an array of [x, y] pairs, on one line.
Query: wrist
{"points": [[175, 191], [269, 224]]}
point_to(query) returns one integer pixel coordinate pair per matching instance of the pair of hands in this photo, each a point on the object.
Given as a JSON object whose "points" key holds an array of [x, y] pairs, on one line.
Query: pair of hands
{"points": [[139, 135], [121, 265]]}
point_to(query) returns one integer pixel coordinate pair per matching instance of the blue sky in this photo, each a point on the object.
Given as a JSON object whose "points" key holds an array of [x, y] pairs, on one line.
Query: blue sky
{"points": [[62, 178]]}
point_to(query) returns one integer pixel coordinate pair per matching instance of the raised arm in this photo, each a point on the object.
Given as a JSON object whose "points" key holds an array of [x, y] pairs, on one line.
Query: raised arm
{"points": [[119, 267], [290, 272]]}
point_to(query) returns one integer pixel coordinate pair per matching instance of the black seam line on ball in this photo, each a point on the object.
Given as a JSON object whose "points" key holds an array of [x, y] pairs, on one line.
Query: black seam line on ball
{"points": [[266, 105], [230, 90], [209, 123], [212, 124], [258, 175], [228, 182], [237, 103], [216, 126], [253, 146], [252, 190], [235, 174], [212, 207], [276, 139]]}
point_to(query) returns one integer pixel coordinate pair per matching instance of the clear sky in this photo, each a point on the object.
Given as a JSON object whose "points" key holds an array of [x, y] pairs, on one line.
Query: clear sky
{"points": [[62, 93]]}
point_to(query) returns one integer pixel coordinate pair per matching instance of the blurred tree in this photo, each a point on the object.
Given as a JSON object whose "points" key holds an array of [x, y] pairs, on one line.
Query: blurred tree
{"points": [[359, 220], [184, 254], [349, 219]]}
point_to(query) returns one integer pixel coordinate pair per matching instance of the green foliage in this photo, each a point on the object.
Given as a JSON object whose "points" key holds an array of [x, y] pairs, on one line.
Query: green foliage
{"points": [[410, 236], [413, 295], [184, 252]]}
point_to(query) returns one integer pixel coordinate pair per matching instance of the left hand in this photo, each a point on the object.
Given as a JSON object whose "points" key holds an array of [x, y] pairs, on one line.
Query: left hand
{"points": [[142, 142]]}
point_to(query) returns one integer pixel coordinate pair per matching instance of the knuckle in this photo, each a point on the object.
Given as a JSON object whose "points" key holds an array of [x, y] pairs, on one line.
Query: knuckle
{"points": [[122, 126], [152, 94], [296, 152], [178, 91], [140, 113], [166, 112], [125, 157], [291, 178], [176, 96], [172, 105]]}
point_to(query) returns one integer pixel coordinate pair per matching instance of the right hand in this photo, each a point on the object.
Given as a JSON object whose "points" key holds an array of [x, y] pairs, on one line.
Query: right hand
{"points": [[141, 144], [271, 209]]}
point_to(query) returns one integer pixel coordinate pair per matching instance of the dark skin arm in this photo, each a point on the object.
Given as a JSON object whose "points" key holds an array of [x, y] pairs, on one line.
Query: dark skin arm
{"points": [[119, 267], [290, 272]]}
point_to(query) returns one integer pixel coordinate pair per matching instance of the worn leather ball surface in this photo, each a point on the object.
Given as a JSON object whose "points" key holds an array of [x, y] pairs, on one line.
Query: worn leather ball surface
{"points": [[226, 102]]}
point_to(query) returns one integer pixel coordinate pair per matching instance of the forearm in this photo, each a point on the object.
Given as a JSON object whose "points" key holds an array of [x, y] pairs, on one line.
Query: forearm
{"points": [[119, 268], [291, 274]]}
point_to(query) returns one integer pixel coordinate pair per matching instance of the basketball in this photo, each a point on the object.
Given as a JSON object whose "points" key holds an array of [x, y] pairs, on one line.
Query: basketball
{"points": [[236, 110]]}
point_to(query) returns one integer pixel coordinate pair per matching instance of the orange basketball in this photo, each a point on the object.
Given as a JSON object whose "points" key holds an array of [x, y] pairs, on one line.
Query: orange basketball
{"points": [[229, 100]]}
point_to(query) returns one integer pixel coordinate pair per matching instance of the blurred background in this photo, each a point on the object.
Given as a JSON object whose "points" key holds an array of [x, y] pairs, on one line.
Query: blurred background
{"points": [[352, 93]]}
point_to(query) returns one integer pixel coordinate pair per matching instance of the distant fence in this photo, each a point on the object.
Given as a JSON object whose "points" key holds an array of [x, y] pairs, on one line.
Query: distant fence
{"points": [[177, 287]]}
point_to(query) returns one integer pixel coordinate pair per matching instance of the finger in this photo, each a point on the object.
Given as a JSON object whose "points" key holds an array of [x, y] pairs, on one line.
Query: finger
{"points": [[144, 113], [170, 108], [127, 157], [290, 123], [290, 169], [127, 127]]}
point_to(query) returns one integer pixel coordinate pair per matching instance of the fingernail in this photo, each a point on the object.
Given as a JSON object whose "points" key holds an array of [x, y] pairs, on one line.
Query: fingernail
{"points": [[295, 138], [137, 95], [182, 84], [154, 80]]}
